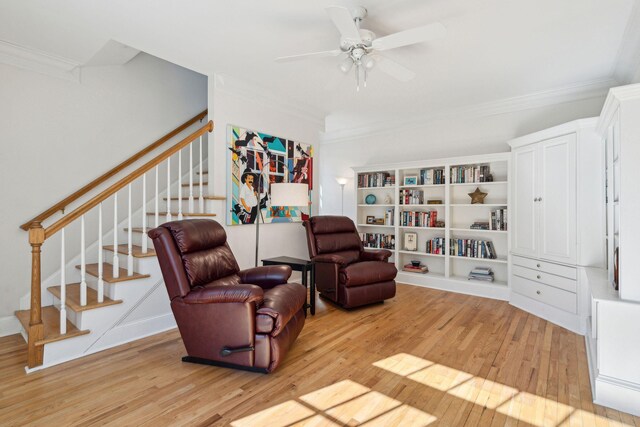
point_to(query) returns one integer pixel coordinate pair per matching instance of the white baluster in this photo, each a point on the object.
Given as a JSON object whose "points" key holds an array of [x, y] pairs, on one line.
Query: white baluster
{"points": [[169, 189], [180, 185], [83, 266], [145, 241], [116, 260], [129, 238], [201, 196], [100, 257], [191, 177], [157, 201], [63, 288]]}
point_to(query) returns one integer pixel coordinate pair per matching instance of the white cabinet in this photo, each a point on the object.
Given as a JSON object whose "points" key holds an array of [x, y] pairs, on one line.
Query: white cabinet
{"points": [[557, 199], [558, 220], [545, 199]]}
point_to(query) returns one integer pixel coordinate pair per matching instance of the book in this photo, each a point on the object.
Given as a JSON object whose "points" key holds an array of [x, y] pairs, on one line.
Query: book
{"points": [[421, 269]]}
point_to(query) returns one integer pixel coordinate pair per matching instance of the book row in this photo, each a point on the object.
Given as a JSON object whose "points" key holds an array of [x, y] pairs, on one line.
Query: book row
{"points": [[467, 174], [435, 246], [431, 176], [472, 248], [378, 240], [376, 179], [418, 219]]}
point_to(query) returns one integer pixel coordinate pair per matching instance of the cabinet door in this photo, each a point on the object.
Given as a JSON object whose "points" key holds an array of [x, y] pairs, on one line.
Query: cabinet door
{"points": [[525, 229], [557, 199]]}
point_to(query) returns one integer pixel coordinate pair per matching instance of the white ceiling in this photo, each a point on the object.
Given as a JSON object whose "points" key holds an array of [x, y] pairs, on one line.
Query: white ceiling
{"points": [[494, 49]]}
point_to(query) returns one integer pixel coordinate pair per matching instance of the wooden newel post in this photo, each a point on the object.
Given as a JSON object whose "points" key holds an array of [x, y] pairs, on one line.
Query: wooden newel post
{"points": [[36, 328]]}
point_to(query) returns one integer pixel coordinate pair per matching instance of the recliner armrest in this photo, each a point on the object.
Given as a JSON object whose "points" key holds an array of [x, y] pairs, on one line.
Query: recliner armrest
{"points": [[266, 277], [331, 259], [377, 255], [241, 293]]}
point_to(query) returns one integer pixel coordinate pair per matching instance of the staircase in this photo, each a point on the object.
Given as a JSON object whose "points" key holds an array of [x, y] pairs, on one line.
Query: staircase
{"points": [[110, 290]]}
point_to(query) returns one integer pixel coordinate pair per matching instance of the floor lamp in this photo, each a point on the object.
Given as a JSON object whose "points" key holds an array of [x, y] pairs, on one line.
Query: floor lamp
{"points": [[282, 194], [342, 182]]}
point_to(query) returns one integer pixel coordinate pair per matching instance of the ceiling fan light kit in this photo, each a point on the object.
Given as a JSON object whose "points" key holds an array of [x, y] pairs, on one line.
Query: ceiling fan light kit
{"points": [[362, 48]]}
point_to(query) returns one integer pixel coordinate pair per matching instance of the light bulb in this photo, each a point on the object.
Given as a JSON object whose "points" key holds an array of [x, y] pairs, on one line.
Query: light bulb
{"points": [[346, 65], [367, 62]]}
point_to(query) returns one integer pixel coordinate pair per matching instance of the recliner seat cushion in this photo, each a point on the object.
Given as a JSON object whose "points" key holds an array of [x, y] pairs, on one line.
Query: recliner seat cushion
{"points": [[366, 273]]}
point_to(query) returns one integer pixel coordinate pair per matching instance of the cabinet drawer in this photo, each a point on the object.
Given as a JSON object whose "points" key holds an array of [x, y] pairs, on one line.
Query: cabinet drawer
{"points": [[545, 278], [563, 300], [549, 267]]}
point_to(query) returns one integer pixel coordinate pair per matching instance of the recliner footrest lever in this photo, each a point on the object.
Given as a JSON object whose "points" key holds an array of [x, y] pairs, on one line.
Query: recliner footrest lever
{"points": [[228, 351]]}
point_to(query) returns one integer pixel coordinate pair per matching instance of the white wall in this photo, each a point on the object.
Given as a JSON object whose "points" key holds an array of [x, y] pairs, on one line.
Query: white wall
{"points": [[227, 107], [456, 136], [58, 135]]}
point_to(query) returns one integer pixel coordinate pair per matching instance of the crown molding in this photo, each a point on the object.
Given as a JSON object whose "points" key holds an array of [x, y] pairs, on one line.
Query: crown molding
{"points": [[39, 62], [254, 93], [616, 96], [570, 93], [627, 66]]}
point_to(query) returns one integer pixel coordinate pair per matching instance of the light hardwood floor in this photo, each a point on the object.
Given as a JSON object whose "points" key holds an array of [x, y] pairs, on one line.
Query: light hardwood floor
{"points": [[424, 358]]}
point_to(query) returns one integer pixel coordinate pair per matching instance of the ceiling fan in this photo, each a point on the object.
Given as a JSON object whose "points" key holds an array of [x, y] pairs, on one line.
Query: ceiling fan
{"points": [[362, 49]]}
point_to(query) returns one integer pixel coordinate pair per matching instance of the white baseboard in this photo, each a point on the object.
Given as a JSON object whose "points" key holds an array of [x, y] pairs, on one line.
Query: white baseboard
{"points": [[9, 325], [617, 394]]}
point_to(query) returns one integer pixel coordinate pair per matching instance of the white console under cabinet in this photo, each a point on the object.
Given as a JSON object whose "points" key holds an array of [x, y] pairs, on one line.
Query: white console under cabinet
{"points": [[558, 220]]}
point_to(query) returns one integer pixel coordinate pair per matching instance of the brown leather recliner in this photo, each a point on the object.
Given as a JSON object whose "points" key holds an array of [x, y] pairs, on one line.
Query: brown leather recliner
{"points": [[240, 319], [344, 272]]}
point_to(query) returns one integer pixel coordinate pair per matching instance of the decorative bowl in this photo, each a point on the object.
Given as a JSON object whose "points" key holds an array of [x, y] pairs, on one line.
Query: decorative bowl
{"points": [[370, 199], [415, 263]]}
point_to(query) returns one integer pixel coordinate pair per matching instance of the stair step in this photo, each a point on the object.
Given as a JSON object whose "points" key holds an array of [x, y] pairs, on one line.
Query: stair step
{"points": [[196, 198], [51, 322], [203, 173], [72, 300], [138, 229], [107, 273], [136, 250], [185, 214], [196, 184]]}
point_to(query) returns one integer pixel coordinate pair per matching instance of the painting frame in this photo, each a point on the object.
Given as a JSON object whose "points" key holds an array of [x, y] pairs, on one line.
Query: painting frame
{"points": [[255, 160]]}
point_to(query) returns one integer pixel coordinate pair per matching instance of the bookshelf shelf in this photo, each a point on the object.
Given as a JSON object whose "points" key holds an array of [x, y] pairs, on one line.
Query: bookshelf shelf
{"points": [[476, 230], [388, 187], [445, 272], [421, 254], [469, 184], [468, 258]]}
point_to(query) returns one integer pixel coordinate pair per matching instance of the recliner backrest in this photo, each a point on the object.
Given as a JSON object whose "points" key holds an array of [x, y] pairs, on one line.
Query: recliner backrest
{"points": [[193, 253], [333, 234]]}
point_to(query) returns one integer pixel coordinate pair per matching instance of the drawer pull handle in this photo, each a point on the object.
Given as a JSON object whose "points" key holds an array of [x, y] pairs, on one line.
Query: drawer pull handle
{"points": [[538, 265], [539, 276], [538, 292]]}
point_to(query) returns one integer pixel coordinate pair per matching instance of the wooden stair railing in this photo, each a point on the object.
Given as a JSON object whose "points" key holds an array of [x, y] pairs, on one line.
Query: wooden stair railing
{"points": [[39, 234], [103, 178]]}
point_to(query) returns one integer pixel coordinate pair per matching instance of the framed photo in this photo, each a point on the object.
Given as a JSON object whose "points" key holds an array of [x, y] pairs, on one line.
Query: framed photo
{"points": [[411, 180], [410, 241], [371, 219]]}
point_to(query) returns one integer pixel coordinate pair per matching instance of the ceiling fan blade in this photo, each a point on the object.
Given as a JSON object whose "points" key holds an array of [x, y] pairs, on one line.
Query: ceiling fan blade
{"points": [[323, 54], [394, 69], [412, 36], [343, 21]]}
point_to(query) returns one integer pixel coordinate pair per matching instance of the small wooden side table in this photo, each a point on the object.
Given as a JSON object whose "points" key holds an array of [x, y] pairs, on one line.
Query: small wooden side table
{"points": [[303, 265]]}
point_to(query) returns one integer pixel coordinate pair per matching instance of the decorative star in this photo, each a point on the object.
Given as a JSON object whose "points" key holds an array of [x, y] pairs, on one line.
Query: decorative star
{"points": [[477, 197]]}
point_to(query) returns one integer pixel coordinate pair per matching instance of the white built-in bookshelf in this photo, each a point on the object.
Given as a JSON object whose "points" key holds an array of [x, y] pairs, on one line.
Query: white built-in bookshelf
{"points": [[450, 201]]}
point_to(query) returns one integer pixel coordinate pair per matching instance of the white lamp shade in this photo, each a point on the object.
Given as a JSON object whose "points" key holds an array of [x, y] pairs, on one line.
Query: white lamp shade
{"points": [[289, 194], [341, 180]]}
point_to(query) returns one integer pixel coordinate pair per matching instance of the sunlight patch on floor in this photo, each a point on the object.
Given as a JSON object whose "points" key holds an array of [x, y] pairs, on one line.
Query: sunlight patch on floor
{"points": [[363, 408], [403, 364], [335, 394], [483, 392], [281, 415]]}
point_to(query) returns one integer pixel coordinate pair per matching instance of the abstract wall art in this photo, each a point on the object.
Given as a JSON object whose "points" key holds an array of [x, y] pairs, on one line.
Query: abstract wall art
{"points": [[252, 153]]}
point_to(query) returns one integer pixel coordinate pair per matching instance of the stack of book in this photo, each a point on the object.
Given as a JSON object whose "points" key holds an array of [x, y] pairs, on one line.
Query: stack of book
{"points": [[480, 225], [419, 269], [481, 273]]}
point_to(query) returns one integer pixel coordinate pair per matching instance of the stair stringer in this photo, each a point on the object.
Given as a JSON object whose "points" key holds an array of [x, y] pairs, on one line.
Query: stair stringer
{"points": [[145, 311]]}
